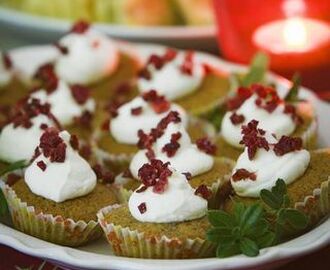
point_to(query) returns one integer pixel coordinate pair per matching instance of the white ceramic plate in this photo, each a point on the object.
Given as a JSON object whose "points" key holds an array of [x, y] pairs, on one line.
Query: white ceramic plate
{"points": [[98, 256], [44, 29]]}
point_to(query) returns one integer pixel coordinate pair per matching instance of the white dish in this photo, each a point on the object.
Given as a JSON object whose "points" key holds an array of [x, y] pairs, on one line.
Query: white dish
{"points": [[44, 29], [97, 255]]}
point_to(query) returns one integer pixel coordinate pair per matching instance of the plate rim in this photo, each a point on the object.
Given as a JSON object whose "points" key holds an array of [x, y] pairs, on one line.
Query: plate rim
{"points": [[318, 237]]}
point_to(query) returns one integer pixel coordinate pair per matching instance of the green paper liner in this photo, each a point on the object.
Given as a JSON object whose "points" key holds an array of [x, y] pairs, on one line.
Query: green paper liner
{"points": [[124, 194], [57, 230], [128, 243]]}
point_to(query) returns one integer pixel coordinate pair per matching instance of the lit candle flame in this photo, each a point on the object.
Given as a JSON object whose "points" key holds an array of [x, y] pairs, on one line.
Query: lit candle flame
{"points": [[295, 33]]}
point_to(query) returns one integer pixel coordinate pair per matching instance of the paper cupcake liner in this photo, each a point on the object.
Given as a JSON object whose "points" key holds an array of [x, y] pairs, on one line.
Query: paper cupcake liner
{"points": [[47, 227], [129, 243], [124, 194]]}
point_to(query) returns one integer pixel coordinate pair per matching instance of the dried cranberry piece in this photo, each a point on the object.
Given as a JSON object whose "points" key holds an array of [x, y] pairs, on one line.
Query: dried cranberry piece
{"points": [[85, 120], [7, 61], [80, 27], [237, 118], [156, 61], [105, 126], [235, 102], [204, 192], [97, 168], [80, 93], [145, 140], [12, 178], [74, 142], [85, 151], [144, 73], [47, 76], [172, 147], [170, 55], [253, 138], [205, 145], [157, 102], [106, 177], [287, 144], [187, 175], [150, 154], [52, 145], [62, 49], [136, 111], [241, 174], [58, 153], [187, 65], [42, 165], [43, 126], [142, 208], [171, 117]]}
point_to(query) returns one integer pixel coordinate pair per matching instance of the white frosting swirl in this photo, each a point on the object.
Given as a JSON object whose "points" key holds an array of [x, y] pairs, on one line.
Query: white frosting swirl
{"points": [[188, 157], [61, 181], [63, 105], [5, 74], [91, 57], [19, 143], [124, 128], [177, 203], [277, 122], [170, 81], [268, 167]]}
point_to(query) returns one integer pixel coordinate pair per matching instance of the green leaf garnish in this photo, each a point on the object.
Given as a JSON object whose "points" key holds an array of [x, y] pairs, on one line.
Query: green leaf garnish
{"points": [[246, 229], [257, 71], [293, 93], [3, 205], [14, 166]]}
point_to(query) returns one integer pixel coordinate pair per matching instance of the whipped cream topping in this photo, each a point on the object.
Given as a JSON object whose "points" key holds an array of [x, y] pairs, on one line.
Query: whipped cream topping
{"points": [[61, 181], [63, 105], [6, 73], [90, 57], [267, 168], [19, 143], [124, 127], [188, 158], [177, 203], [179, 75], [276, 122]]}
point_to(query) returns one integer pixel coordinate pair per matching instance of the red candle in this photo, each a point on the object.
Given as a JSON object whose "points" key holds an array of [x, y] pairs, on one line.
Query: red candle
{"points": [[294, 33]]}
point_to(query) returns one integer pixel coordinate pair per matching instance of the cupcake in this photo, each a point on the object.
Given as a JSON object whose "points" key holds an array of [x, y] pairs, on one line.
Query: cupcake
{"points": [[72, 105], [266, 159], [196, 12], [58, 198], [19, 137], [165, 218], [117, 143], [273, 113], [91, 58], [181, 76], [170, 142]]}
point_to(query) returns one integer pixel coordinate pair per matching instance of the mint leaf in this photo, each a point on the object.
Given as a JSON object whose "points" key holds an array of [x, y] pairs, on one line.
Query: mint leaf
{"points": [[258, 69], [14, 166], [239, 209], [3, 204], [266, 239], [270, 199], [220, 218], [227, 250], [280, 188], [298, 220], [249, 247], [251, 216], [217, 234], [293, 93]]}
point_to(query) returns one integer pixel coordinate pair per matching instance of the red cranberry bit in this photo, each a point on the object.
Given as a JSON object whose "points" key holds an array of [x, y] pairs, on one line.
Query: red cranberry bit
{"points": [[157, 102], [43, 126], [105, 126], [252, 138], [155, 174], [85, 151], [47, 76], [52, 145], [145, 140], [287, 144], [144, 74], [62, 49], [205, 145], [267, 97], [156, 61], [241, 174], [241, 96], [85, 120], [171, 117], [74, 142], [172, 147], [98, 171], [7, 61], [142, 208], [187, 175], [42, 165], [188, 64], [12, 178], [136, 111], [80, 27], [80, 93], [208, 69], [170, 55], [237, 119], [203, 191]]}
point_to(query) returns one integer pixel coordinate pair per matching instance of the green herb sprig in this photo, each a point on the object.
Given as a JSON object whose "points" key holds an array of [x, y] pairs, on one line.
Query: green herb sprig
{"points": [[293, 93], [248, 228]]}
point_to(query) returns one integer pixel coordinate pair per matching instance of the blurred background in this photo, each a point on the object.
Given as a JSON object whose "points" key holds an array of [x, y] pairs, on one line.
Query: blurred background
{"points": [[295, 34]]}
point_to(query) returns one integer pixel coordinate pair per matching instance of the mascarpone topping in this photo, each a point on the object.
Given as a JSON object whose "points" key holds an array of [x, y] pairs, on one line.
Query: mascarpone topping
{"points": [[188, 157], [124, 127], [170, 81], [19, 143], [177, 203], [91, 57], [63, 105], [61, 181], [276, 122], [6, 73]]}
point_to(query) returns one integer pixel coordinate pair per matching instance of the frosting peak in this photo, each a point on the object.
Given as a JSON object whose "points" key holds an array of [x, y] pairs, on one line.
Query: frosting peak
{"points": [[58, 172]]}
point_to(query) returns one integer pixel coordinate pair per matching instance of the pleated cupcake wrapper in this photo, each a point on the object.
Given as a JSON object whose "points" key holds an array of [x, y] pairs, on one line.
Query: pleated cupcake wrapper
{"points": [[131, 243], [124, 194], [123, 159], [309, 137], [47, 227]]}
